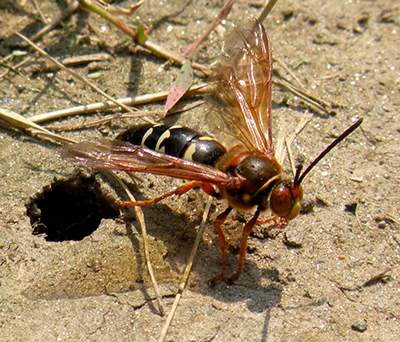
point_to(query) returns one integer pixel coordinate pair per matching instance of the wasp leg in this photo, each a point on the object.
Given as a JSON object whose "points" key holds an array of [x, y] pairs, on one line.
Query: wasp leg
{"points": [[208, 188], [277, 221], [242, 251], [222, 244]]}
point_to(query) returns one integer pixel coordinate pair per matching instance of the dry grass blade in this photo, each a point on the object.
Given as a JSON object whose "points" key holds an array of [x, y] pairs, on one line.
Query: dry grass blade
{"points": [[392, 218], [102, 106], [376, 277], [74, 74], [185, 276], [290, 156], [74, 6], [154, 48], [268, 8], [41, 15], [312, 100], [191, 48], [288, 142], [86, 59], [120, 10], [16, 120], [282, 140], [198, 90], [285, 67], [140, 218], [105, 120]]}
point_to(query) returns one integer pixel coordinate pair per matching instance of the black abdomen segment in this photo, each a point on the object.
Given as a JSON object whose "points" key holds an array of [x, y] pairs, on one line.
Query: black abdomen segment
{"points": [[175, 141]]}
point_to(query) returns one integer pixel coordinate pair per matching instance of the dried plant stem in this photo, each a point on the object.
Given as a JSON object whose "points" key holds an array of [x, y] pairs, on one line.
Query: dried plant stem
{"points": [[16, 120], [268, 7], [285, 67], [102, 106], [74, 74], [185, 276], [310, 99], [282, 141], [107, 119], [197, 90], [130, 11], [42, 17], [154, 48], [225, 10], [140, 218], [68, 11]]}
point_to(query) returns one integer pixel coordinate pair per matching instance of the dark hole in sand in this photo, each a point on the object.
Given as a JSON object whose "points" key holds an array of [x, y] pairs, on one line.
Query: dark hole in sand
{"points": [[70, 209]]}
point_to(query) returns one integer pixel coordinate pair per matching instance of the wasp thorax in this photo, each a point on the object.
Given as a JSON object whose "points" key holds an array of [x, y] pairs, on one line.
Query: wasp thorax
{"points": [[258, 170], [285, 200]]}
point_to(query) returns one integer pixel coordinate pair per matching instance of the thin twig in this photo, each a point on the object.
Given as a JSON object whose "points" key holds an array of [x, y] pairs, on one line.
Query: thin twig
{"points": [[42, 17], [268, 7], [376, 278], [225, 10], [310, 99], [107, 119], [120, 10], [86, 59], [327, 77], [185, 276], [68, 11], [288, 141], [74, 74], [102, 106], [197, 90], [285, 67], [154, 48], [140, 218]]}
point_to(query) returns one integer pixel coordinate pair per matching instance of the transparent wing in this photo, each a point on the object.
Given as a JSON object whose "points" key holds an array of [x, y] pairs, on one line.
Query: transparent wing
{"points": [[122, 156], [242, 85]]}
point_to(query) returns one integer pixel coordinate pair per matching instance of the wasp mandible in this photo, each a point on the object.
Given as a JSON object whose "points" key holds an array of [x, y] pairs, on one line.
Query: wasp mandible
{"points": [[247, 175]]}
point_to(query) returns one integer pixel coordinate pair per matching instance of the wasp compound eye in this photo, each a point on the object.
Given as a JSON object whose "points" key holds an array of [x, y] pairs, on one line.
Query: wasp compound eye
{"points": [[281, 200]]}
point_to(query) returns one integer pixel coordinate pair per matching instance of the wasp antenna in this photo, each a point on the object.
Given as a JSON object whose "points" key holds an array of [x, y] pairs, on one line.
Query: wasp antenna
{"points": [[299, 167], [341, 137]]}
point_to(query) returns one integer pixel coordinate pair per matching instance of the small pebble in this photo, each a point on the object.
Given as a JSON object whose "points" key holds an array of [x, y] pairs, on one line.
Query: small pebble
{"points": [[361, 327], [293, 237]]}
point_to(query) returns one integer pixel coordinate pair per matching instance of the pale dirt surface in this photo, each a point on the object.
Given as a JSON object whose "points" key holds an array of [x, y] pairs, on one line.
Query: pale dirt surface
{"points": [[96, 289]]}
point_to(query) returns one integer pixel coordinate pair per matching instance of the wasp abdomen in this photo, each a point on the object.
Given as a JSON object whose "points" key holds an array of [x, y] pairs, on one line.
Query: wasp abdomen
{"points": [[177, 141]]}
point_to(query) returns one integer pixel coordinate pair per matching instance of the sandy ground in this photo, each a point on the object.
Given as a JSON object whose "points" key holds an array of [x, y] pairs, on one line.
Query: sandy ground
{"points": [[312, 282]]}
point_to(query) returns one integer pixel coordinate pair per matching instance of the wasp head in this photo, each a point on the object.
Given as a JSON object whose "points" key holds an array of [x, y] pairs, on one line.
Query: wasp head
{"points": [[286, 196]]}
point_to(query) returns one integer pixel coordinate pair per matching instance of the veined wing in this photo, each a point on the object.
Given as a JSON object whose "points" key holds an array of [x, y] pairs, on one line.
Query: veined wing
{"points": [[123, 156], [242, 84]]}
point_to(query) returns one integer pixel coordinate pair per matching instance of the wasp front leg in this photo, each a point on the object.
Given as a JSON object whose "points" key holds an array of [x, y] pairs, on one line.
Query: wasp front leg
{"points": [[276, 221]]}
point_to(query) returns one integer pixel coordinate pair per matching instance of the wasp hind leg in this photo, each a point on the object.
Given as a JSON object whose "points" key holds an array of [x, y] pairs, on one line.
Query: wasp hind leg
{"points": [[208, 188]]}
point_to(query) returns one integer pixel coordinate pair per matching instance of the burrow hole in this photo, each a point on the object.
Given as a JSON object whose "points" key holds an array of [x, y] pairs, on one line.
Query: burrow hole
{"points": [[70, 209]]}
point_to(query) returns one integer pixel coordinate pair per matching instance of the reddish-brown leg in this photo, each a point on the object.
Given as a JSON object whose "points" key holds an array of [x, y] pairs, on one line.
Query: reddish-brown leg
{"points": [[208, 188], [242, 251], [222, 243], [277, 221]]}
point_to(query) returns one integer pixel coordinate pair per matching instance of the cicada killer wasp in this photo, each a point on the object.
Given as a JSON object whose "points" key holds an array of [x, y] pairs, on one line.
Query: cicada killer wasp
{"points": [[248, 174]]}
